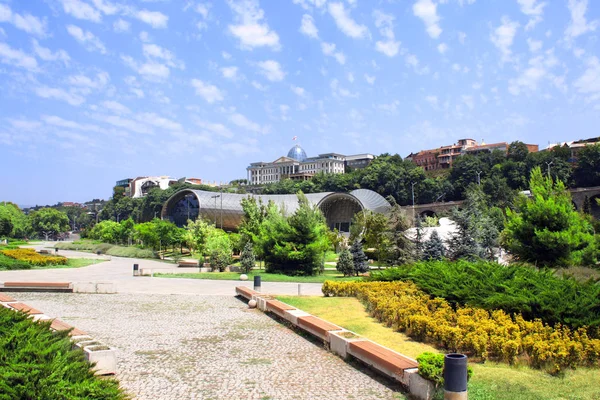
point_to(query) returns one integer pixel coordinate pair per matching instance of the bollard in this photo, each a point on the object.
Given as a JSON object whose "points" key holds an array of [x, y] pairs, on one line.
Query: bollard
{"points": [[56, 250], [136, 270], [299, 289], [257, 283], [455, 377]]}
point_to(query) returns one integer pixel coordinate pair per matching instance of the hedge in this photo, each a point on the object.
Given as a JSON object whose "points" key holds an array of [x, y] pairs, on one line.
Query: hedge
{"points": [[515, 289], [37, 363], [477, 332], [29, 256]]}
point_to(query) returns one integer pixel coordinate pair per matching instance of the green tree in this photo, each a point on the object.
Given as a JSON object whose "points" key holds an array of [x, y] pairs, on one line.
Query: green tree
{"points": [[107, 232], [218, 248], [6, 225], [49, 222], [359, 259], [399, 247], [434, 249], [517, 151], [345, 263], [147, 235], [587, 172], [545, 229], [247, 259], [21, 224], [196, 234]]}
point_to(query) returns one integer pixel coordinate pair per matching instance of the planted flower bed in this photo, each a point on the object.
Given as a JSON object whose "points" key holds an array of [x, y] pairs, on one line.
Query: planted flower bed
{"points": [[29, 256], [480, 333]]}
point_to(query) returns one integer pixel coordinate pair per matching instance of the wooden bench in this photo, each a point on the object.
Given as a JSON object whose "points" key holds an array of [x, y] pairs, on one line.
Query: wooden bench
{"points": [[317, 326], [278, 307], [24, 308], [187, 263], [59, 325], [5, 299], [384, 359], [245, 292], [63, 287]]}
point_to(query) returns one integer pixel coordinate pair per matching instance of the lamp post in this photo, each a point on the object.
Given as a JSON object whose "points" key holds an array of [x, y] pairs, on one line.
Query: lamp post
{"points": [[412, 184], [479, 177], [549, 164]]}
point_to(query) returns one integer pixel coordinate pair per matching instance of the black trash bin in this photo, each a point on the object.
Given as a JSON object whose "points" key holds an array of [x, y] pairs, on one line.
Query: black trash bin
{"points": [[136, 270], [455, 375], [257, 283]]}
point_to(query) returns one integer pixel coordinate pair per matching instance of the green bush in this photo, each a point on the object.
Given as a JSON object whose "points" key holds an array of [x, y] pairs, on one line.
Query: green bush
{"points": [[7, 263], [102, 248], [109, 249], [132, 252], [36, 363], [431, 366], [514, 289]]}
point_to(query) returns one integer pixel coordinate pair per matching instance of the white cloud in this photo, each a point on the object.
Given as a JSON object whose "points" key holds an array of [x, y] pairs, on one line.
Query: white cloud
{"points": [[299, 91], [329, 50], [433, 100], [271, 69], [579, 24], [47, 54], [153, 51], [259, 86], [391, 108], [350, 77], [385, 24], [155, 19], [212, 127], [339, 91], [86, 38], [226, 55], [309, 4], [158, 121], [442, 48], [208, 92], [468, 101], [250, 30], [128, 124], [589, 82], [503, 37], [462, 37], [106, 7], [345, 23], [24, 22], [151, 70], [308, 28], [427, 11], [81, 10], [539, 68], [116, 107], [63, 123], [534, 45], [370, 79], [15, 57], [84, 81], [412, 61], [59, 94], [243, 122], [121, 25], [534, 9], [230, 73], [25, 125]]}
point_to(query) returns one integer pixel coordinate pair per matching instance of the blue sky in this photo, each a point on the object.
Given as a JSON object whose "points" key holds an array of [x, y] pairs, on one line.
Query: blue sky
{"points": [[94, 91]]}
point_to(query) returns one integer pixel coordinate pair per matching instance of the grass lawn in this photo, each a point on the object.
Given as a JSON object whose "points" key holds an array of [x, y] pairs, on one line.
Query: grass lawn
{"points": [[491, 381], [266, 277], [73, 263]]}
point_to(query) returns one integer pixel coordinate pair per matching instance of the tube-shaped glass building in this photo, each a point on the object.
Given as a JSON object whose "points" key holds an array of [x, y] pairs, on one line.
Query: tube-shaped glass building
{"points": [[225, 209]]}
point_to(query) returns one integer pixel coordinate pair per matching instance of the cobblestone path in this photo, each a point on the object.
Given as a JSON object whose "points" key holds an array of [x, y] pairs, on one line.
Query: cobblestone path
{"points": [[208, 347]]}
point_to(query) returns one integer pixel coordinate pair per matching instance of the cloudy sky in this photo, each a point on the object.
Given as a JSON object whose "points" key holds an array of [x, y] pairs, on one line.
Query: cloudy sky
{"points": [[94, 91]]}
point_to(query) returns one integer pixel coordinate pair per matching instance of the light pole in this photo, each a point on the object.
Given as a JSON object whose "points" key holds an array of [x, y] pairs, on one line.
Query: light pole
{"points": [[479, 177], [215, 197], [549, 164], [412, 184]]}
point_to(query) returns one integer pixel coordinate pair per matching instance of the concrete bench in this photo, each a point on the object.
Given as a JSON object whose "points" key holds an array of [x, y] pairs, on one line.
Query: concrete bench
{"points": [[188, 263], [278, 307], [317, 326], [245, 292], [63, 287], [24, 308], [58, 325], [381, 358]]}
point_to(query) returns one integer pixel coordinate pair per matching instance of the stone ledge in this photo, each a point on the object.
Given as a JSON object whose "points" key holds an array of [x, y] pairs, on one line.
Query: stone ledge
{"points": [[317, 326], [278, 307], [246, 292]]}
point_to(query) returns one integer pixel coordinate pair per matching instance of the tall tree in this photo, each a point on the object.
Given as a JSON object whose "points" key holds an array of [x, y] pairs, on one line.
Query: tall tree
{"points": [[587, 172], [434, 247], [359, 259], [345, 263], [400, 247], [49, 222], [247, 259]]}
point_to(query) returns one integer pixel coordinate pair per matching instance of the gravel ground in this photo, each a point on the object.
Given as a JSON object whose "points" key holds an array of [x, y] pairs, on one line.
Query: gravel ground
{"points": [[208, 347]]}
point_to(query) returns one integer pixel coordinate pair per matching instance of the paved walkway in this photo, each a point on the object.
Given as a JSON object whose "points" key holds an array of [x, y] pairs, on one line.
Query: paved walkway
{"points": [[208, 347], [120, 271]]}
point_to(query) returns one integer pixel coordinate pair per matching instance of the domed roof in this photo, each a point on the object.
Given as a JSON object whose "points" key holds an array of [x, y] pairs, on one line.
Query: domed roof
{"points": [[297, 153]]}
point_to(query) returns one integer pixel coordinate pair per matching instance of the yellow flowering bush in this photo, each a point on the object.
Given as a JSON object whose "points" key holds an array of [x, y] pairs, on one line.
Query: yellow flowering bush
{"points": [[31, 257], [477, 332]]}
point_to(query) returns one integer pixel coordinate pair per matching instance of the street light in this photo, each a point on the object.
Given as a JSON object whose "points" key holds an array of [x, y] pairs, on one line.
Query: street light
{"points": [[479, 177], [412, 184], [215, 197], [549, 164]]}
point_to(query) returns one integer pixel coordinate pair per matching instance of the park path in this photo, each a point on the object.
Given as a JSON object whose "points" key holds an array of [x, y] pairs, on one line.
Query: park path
{"points": [[119, 270]]}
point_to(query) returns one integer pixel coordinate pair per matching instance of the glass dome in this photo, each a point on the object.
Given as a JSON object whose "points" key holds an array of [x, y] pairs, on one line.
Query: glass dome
{"points": [[297, 153]]}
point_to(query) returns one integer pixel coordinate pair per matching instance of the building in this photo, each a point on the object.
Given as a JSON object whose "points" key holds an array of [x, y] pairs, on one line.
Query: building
{"points": [[297, 166], [443, 157], [225, 209], [140, 186], [575, 146]]}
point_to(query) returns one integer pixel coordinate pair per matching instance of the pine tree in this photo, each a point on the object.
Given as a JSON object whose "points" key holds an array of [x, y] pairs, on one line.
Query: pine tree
{"points": [[433, 248], [345, 263], [359, 258], [247, 258]]}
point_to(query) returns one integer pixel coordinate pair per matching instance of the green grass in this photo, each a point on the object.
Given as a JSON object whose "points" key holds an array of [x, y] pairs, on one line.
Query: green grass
{"points": [[266, 277], [491, 381]]}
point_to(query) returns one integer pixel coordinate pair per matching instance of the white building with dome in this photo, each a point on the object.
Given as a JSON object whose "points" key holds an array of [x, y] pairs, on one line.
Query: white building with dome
{"points": [[297, 166]]}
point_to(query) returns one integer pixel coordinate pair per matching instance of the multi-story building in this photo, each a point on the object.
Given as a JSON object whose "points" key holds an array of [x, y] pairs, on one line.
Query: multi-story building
{"points": [[140, 186], [576, 146], [297, 166]]}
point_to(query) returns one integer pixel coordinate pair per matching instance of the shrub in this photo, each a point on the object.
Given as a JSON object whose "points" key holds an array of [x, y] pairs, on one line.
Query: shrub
{"points": [[345, 264], [29, 256], [36, 363], [473, 331], [7, 263], [431, 366], [132, 252], [247, 259]]}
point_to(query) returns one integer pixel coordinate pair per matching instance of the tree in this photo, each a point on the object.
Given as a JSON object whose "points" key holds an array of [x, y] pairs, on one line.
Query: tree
{"points": [[6, 225], [545, 229], [49, 222], [587, 172], [359, 259], [247, 258], [218, 248], [21, 224], [517, 151], [345, 263], [196, 235], [399, 247], [433, 248]]}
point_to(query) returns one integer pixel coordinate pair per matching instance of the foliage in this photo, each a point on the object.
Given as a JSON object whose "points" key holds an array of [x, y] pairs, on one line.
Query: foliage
{"points": [[474, 331], [36, 363], [196, 235], [105, 248], [218, 248], [359, 259], [433, 248], [399, 246], [431, 367], [29, 256], [49, 222], [345, 263], [6, 225], [11, 214], [430, 221], [587, 172], [545, 229], [7, 263], [515, 289], [247, 259]]}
